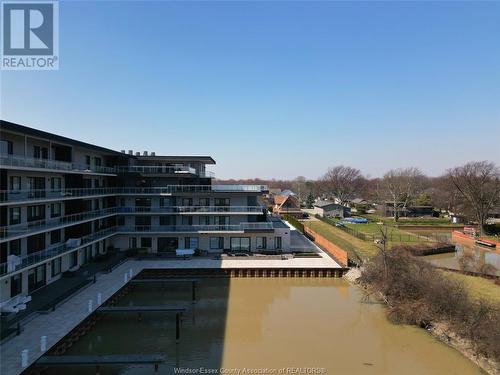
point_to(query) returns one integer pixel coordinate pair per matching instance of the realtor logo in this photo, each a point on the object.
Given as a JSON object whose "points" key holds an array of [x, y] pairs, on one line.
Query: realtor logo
{"points": [[30, 35]]}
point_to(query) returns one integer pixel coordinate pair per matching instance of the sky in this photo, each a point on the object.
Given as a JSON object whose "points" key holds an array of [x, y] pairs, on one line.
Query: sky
{"points": [[274, 89]]}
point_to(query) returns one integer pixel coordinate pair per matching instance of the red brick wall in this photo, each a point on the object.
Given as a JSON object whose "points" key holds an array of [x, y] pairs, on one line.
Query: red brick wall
{"points": [[337, 252]]}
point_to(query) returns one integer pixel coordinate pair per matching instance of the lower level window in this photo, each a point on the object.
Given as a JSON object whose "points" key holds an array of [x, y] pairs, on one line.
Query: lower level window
{"points": [[16, 285], [56, 266], [73, 259], [146, 242], [191, 242], [240, 243], [216, 243], [261, 243], [36, 278], [277, 242]]}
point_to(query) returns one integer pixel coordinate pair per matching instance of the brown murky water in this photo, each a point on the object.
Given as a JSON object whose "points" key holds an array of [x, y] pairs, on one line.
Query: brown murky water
{"points": [[269, 325], [451, 260]]}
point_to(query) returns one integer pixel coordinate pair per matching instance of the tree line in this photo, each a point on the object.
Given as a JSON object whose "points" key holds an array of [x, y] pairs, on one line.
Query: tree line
{"points": [[472, 189]]}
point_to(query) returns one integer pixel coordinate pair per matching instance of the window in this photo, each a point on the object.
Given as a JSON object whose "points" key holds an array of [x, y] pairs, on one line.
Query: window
{"points": [[6, 147], [146, 242], [55, 210], [143, 204], [167, 220], [97, 205], [97, 161], [191, 242], [55, 236], [14, 215], [277, 242], [261, 243], [240, 243], [16, 285], [36, 183], [15, 247], [35, 243], [221, 220], [187, 220], [143, 222], [37, 154], [15, 183], [187, 202], [36, 212], [56, 266], [55, 183], [216, 243], [132, 242], [204, 220], [87, 160], [204, 202], [167, 202], [40, 152], [36, 278], [73, 259], [222, 202]]}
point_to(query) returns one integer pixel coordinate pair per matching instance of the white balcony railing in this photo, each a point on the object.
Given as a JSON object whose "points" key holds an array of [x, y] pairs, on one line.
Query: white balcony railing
{"points": [[41, 194], [10, 231], [25, 162], [52, 251], [194, 209]]}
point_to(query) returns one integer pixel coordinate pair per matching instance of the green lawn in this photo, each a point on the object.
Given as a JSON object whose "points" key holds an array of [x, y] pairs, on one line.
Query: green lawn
{"points": [[477, 286], [433, 221], [355, 247]]}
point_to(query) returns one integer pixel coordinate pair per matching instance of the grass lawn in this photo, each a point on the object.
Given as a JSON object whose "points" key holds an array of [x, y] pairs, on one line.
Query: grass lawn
{"points": [[355, 247], [372, 231], [432, 221], [477, 286]]}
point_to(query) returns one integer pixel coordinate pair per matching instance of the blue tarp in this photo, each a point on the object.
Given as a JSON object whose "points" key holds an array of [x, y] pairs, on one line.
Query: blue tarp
{"points": [[355, 220]]}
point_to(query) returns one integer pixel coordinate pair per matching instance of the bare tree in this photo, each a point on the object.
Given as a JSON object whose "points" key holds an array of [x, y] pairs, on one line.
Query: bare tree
{"points": [[479, 184], [401, 186], [342, 182]]}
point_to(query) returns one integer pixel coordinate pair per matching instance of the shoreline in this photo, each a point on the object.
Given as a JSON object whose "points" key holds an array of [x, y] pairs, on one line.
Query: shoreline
{"points": [[441, 332]]}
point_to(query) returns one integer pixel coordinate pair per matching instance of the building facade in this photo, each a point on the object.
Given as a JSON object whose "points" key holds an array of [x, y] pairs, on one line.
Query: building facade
{"points": [[63, 202]]}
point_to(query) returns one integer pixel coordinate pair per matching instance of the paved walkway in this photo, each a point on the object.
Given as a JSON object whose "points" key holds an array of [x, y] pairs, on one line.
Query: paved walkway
{"points": [[58, 323]]}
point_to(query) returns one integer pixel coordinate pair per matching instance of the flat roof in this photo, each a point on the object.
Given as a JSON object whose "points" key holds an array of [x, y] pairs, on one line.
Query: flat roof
{"points": [[16, 128], [202, 158]]}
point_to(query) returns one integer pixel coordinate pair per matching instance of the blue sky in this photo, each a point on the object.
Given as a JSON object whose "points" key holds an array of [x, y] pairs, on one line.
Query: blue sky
{"points": [[274, 89]]}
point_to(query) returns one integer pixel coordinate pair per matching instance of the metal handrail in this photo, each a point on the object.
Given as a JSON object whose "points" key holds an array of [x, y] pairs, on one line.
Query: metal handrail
{"points": [[52, 251], [34, 194], [33, 226], [192, 209], [26, 162]]}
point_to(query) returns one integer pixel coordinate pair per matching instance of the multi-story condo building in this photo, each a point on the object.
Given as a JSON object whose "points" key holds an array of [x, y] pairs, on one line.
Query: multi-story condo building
{"points": [[63, 202]]}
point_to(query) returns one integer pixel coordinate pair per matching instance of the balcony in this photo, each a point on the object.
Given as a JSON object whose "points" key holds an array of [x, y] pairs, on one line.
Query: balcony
{"points": [[242, 227], [53, 251], [10, 232], [15, 196], [164, 170], [15, 162], [193, 210]]}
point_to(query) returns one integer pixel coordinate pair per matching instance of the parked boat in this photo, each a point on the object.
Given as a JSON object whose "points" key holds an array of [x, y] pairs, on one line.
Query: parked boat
{"points": [[486, 243]]}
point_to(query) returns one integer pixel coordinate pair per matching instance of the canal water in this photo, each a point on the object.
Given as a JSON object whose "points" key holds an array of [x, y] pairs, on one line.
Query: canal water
{"points": [[266, 326], [451, 260]]}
